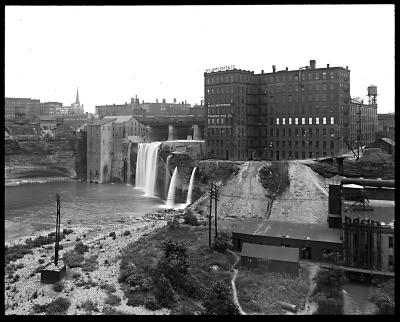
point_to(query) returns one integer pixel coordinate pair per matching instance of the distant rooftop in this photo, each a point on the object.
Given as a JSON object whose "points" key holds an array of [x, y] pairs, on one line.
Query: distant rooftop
{"points": [[101, 122], [119, 118], [317, 232]]}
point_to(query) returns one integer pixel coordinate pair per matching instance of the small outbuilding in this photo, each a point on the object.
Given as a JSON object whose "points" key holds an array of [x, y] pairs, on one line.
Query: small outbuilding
{"points": [[274, 258]]}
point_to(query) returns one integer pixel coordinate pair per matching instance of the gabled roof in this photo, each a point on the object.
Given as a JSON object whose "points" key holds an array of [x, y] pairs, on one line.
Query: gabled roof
{"points": [[101, 122], [287, 254], [387, 140], [119, 118]]}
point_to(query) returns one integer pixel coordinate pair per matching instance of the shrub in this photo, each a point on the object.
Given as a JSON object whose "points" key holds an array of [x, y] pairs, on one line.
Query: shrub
{"points": [[58, 286], [34, 295], [39, 269], [151, 304], [384, 303], [222, 242], [67, 231], [127, 232], [90, 264], [40, 260], [173, 223], [58, 306], [219, 300], [164, 293], [16, 252], [109, 310], [20, 265], [190, 218], [108, 288], [135, 299], [112, 299], [76, 275], [125, 271], [81, 248], [90, 306], [72, 259], [112, 234]]}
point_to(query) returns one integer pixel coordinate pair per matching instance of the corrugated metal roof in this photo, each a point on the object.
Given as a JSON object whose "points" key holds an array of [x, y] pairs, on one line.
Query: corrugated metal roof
{"points": [[119, 118], [287, 254], [317, 232], [101, 122]]}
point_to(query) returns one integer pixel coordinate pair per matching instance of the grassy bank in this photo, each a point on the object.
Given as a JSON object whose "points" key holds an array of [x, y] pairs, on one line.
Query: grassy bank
{"points": [[147, 277], [259, 291]]}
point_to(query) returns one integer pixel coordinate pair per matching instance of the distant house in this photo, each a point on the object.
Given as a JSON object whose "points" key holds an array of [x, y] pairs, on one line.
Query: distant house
{"points": [[48, 122], [274, 258]]}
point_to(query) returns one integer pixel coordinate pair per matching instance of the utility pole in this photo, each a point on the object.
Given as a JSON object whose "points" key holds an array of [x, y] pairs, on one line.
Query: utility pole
{"points": [[214, 190], [209, 216], [58, 219]]}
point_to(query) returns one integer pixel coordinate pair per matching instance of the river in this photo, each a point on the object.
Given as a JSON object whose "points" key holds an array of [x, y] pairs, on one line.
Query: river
{"points": [[32, 207]]}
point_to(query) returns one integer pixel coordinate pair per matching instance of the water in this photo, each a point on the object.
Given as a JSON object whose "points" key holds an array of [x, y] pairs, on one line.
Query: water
{"points": [[128, 171], [32, 207], [167, 176], [190, 189], [356, 297], [171, 191], [146, 167]]}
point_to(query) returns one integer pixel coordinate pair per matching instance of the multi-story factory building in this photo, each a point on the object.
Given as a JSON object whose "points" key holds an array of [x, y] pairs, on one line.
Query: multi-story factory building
{"points": [[21, 110], [295, 114]]}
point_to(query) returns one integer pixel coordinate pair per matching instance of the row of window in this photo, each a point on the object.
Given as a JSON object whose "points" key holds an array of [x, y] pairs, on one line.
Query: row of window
{"points": [[290, 144], [303, 120], [278, 78]]}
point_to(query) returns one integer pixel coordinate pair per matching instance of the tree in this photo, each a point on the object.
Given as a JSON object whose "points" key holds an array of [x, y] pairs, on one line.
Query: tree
{"points": [[219, 300]]}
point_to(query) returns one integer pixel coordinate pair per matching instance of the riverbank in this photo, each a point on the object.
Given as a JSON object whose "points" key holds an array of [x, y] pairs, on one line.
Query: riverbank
{"points": [[25, 291]]}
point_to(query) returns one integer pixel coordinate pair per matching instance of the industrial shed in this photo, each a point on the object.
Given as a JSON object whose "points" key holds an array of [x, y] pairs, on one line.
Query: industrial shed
{"points": [[273, 258]]}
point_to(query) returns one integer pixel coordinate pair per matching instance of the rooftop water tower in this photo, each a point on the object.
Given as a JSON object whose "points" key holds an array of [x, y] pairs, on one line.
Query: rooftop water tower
{"points": [[372, 94]]}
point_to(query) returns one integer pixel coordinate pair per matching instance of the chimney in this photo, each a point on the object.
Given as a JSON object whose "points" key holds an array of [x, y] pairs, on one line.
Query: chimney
{"points": [[262, 71], [273, 68], [156, 100], [312, 64], [286, 69], [175, 100], [163, 100], [327, 65], [347, 67]]}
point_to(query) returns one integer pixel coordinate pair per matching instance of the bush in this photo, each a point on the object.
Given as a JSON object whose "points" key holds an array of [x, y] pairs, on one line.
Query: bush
{"points": [[108, 288], [112, 299], [173, 223], [90, 264], [81, 248], [384, 303], [190, 218], [20, 265], [58, 286], [90, 306], [112, 234], [222, 242], [109, 310], [16, 252], [164, 293], [127, 232], [34, 295], [59, 306], [40, 261], [136, 299], [67, 231], [71, 259], [76, 275], [151, 304], [219, 300]]}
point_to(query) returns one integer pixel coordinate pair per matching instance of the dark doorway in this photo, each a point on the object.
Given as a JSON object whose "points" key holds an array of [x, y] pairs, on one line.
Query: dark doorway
{"points": [[305, 253]]}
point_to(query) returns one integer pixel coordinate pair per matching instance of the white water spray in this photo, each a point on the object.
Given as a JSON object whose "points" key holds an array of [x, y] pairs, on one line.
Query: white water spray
{"points": [[167, 176], [171, 191], [146, 167], [190, 189], [128, 170]]}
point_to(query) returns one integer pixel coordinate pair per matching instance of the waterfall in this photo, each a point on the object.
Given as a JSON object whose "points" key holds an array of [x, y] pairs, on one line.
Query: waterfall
{"points": [[167, 176], [190, 189], [171, 190], [128, 170], [146, 167]]}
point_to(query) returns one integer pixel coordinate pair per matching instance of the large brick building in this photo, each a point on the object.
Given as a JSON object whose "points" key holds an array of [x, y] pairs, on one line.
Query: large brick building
{"points": [[296, 114], [21, 110]]}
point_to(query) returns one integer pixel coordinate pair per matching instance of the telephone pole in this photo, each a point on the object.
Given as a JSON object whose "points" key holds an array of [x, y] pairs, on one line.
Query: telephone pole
{"points": [[213, 193], [58, 219]]}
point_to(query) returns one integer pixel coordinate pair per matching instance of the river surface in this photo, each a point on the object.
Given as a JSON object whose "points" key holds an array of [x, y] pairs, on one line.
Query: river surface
{"points": [[32, 207]]}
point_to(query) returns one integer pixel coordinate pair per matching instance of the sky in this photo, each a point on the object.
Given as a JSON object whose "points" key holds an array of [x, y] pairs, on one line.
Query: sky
{"points": [[112, 53]]}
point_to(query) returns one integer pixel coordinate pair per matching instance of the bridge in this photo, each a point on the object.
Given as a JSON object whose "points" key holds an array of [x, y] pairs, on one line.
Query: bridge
{"points": [[173, 127]]}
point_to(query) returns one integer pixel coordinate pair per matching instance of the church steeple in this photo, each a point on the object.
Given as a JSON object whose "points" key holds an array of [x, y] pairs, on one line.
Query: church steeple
{"points": [[77, 97]]}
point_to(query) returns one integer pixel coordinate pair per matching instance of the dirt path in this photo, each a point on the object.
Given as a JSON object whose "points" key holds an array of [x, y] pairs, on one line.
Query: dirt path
{"points": [[235, 297]]}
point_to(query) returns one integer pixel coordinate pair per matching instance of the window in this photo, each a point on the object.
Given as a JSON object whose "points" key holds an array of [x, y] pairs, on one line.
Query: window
{"points": [[309, 76], [283, 143], [324, 144], [296, 88], [296, 145], [332, 85], [324, 75], [290, 120], [310, 97], [277, 121], [310, 120], [317, 132], [271, 132], [390, 260], [310, 132], [331, 75], [296, 132], [332, 120], [390, 241], [303, 120], [296, 120], [277, 132], [317, 144], [303, 144], [303, 132], [303, 155], [296, 155], [310, 155], [283, 121], [317, 120], [316, 76], [290, 98], [290, 132], [324, 120], [332, 145], [324, 132], [277, 143]]}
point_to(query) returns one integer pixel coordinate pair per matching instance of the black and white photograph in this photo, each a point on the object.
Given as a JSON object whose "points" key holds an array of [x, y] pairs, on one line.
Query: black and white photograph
{"points": [[199, 159]]}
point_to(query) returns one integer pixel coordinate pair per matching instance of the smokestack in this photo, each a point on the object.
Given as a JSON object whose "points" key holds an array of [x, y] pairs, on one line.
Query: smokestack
{"points": [[273, 68], [347, 67], [175, 100], [327, 65], [163, 100], [312, 64], [286, 69], [156, 100], [262, 71]]}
